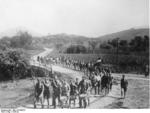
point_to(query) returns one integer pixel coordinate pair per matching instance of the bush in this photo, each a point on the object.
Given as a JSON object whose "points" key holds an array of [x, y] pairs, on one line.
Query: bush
{"points": [[76, 49], [23, 40], [13, 64]]}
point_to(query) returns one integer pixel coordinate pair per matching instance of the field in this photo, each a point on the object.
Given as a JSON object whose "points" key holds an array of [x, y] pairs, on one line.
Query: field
{"points": [[127, 63]]}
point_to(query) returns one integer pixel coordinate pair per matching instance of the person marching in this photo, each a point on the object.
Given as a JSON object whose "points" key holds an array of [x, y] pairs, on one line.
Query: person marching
{"points": [[95, 82], [77, 84], [104, 83], [47, 91], [38, 93], [56, 91], [73, 92], [98, 79], [124, 85], [83, 87], [65, 90], [146, 70], [89, 85], [110, 77]]}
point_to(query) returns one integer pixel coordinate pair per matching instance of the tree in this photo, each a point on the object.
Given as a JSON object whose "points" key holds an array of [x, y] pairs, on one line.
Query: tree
{"points": [[13, 64], [136, 44], [92, 45], [58, 45], [123, 45], [146, 43], [113, 42], [4, 43], [76, 49], [22, 40], [104, 46]]}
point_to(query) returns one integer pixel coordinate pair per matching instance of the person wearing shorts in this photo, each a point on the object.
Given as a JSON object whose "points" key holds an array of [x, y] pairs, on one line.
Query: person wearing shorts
{"points": [[124, 85], [46, 91], [39, 90]]}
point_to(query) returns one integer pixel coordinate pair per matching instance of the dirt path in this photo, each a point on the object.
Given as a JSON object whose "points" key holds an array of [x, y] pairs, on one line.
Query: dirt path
{"points": [[96, 102], [69, 71], [45, 53], [138, 90]]}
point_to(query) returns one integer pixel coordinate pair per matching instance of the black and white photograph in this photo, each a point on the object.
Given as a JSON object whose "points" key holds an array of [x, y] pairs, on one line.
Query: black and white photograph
{"points": [[74, 54]]}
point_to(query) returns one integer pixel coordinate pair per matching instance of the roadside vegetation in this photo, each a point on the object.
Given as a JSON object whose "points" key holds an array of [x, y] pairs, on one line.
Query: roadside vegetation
{"points": [[120, 55], [15, 53]]}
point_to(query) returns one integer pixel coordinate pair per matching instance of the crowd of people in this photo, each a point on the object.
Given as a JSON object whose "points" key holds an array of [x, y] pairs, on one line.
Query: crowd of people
{"points": [[78, 65], [89, 66], [97, 80]]}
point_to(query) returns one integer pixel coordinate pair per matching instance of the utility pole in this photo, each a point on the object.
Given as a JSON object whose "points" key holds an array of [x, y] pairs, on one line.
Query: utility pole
{"points": [[117, 53]]}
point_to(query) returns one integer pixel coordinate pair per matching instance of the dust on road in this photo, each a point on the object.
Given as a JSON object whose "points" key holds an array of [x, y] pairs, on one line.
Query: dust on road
{"points": [[112, 100]]}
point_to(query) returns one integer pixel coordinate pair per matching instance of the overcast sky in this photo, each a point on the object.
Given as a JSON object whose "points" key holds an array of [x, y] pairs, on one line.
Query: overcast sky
{"points": [[82, 17]]}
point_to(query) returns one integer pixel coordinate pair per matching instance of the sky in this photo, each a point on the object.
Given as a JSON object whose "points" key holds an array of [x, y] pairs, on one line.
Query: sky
{"points": [[81, 17]]}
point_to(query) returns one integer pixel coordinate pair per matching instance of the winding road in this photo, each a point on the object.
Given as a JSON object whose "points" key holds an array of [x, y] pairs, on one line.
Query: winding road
{"points": [[96, 101]]}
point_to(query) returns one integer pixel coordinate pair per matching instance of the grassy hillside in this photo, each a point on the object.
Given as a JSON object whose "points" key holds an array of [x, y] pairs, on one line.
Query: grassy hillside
{"points": [[126, 34], [66, 39]]}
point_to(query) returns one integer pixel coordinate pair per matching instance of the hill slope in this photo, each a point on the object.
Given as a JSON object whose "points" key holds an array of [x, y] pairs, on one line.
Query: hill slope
{"points": [[77, 39], [126, 34]]}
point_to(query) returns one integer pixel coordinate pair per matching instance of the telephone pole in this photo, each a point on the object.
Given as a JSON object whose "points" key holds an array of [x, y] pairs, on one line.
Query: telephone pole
{"points": [[117, 53]]}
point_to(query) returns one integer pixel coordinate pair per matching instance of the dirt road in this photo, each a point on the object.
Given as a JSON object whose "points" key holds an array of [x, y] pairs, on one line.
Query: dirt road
{"points": [[138, 96], [76, 73], [95, 101], [34, 61]]}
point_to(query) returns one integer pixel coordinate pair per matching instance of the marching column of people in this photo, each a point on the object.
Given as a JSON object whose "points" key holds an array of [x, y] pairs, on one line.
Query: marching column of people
{"points": [[98, 80], [100, 83]]}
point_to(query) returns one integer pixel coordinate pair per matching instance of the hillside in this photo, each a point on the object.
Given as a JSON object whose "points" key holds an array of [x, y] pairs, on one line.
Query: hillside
{"points": [[60, 39], [66, 38], [126, 34], [77, 39]]}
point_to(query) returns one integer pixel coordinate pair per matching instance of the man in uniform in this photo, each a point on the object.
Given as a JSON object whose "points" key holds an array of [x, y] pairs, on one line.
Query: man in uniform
{"points": [[83, 87], [124, 85], [110, 78], [98, 79], [77, 84], [65, 90], [105, 83], [39, 90], [56, 91], [94, 82], [73, 92], [47, 91], [146, 70]]}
